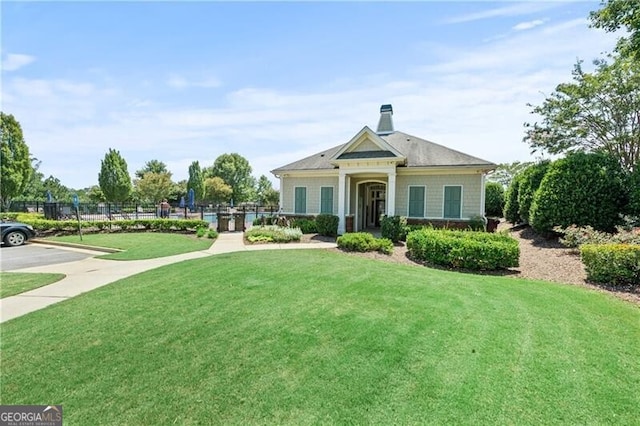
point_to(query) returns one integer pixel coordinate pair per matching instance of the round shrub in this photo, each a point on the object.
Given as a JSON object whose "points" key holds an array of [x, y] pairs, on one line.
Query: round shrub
{"points": [[393, 227], [327, 225], [364, 242], [580, 189], [307, 226], [493, 199], [356, 241]]}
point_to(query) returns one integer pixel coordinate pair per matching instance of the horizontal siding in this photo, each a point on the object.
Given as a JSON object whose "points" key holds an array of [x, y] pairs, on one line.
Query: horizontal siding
{"points": [[313, 185], [366, 145], [435, 193]]}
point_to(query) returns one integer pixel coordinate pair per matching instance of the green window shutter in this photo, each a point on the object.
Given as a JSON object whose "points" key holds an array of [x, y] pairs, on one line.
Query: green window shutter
{"points": [[326, 200], [301, 200], [452, 201], [416, 201]]}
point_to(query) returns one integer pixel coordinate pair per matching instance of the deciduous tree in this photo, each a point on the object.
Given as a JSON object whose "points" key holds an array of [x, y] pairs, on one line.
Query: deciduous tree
{"points": [[153, 166], [598, 111], [153, 187], [34, 190], [15, 162], [59, 192], [114, 178], [505, 172], [217, 191], [265, 192], [617, 14], [235, 171]]}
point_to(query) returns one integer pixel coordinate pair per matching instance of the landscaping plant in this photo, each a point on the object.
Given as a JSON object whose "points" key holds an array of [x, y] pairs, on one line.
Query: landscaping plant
{"points": [[272, 234], [393, 227], [580, 189], [364, 242], [464, 249]]}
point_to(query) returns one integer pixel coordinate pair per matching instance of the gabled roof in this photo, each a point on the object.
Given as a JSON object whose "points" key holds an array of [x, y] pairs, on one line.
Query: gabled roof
{"points": [[418, 153], [351, 148]]}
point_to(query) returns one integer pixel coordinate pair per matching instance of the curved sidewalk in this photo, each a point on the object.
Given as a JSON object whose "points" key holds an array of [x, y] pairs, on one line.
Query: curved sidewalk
{"points": [[88, 274]]}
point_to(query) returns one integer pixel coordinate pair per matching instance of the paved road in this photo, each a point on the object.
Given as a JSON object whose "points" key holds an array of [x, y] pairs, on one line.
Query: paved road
{"points": [[31, 254]]}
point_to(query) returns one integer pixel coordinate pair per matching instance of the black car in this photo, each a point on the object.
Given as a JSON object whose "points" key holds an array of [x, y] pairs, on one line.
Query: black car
{"points": [[16, 233]]}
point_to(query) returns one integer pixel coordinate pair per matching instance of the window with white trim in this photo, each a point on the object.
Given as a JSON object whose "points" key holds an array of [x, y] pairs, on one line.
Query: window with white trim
{"points": [[417, 201], [326, 200], [452, 202], [300, 200]]}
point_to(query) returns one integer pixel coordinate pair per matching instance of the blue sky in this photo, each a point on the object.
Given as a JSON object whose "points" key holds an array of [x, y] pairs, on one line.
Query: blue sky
{"points": [[275, 82]]}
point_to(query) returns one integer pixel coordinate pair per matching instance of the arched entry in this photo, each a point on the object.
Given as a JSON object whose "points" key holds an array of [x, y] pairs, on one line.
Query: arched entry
{"points": [[372, 204]]}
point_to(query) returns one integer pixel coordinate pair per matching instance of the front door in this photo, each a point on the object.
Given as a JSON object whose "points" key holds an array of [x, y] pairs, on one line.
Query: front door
{"points": [[376, 195]]}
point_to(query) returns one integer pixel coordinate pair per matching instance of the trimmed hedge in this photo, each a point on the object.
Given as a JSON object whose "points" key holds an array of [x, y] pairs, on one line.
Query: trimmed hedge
{"points": [[364, 242], [464, 249], [614, 264], [394, 228], [327, 225], [167, 225]]}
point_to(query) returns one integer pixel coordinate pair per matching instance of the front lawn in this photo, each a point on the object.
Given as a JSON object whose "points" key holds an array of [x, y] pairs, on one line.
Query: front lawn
{"points": [[140, 245], [314, 336], [12, 283]]}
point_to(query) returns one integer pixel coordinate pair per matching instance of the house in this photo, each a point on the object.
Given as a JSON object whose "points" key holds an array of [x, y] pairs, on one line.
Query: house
{"points": [[385, 172]]}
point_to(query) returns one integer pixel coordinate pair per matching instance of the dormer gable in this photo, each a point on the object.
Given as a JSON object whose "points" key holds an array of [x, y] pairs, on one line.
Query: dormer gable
{"points": [[367, 144]]}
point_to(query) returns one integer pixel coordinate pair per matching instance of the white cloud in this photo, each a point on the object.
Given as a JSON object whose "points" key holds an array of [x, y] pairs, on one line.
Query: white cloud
{"points": [[528, 25], [15, 61], [518, 9], [473, 100], [180, 82]]}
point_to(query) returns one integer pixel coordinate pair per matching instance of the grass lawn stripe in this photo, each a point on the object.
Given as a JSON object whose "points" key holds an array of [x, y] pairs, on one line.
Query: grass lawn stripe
{"points": [[298, 337], [140, 245], [12, 283]]}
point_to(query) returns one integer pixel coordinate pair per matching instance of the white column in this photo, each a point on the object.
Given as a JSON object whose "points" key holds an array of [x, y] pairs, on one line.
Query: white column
{"points": [[391, 194], [347, 208], [281, 193], [341, 197], [482, 194]]}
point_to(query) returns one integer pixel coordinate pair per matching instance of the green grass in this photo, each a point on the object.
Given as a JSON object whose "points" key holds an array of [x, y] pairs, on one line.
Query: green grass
{"points": [[313, 336], [141, 245], [12, 283]]}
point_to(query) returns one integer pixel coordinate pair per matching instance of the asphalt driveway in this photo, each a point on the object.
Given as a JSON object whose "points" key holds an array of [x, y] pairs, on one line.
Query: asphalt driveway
{"points": [[32, 254]]}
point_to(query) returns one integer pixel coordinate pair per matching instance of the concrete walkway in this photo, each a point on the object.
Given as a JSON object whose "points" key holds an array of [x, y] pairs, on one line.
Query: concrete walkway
{"points": [[89, 274]]}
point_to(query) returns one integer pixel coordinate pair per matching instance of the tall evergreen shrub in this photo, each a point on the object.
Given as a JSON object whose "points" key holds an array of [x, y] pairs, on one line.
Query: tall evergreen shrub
{"points": [[493, 199], [529, 183], [511, 206], [580, 189]]}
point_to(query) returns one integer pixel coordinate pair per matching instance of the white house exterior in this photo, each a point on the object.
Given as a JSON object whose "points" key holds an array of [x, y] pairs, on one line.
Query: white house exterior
{"points": [[385, 172]]}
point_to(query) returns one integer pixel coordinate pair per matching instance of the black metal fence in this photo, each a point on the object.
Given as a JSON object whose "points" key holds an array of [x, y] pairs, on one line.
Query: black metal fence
{"points": [[130, 211]]}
